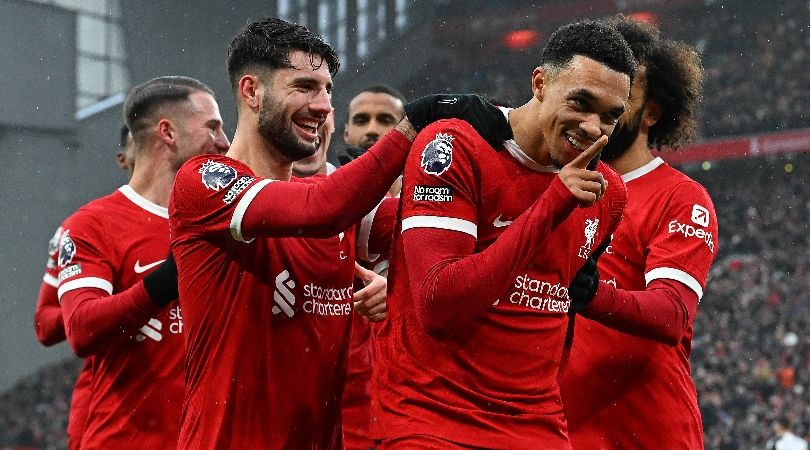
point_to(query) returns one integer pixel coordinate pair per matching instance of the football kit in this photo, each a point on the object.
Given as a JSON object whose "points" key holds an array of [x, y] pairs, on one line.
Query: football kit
{"points": [[486, 247], [632, 389], [136, 392], [266, 287]]}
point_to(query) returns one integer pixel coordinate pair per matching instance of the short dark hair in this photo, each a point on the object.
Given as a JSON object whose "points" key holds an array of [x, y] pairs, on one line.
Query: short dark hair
{"points": [[592, 39], [146, 99], [383, 89], [674, 80], [123, 135], [267, 42]]}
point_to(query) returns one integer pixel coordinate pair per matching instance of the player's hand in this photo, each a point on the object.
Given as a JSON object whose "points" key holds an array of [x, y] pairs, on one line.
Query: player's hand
{"points": [[369, 302], [586, 282], [588, 186], [161, 283], [350, 154], [486, 118]]}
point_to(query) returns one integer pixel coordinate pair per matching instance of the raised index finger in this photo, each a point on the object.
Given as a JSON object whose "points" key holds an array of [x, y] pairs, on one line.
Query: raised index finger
{"points": [[582, 160]]}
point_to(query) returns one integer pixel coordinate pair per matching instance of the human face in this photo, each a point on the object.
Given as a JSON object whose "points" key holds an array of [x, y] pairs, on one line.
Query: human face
{"points": [[371, 115], [578, 104], [317, 163], [629, 126], [295, 105], [200, 128]]}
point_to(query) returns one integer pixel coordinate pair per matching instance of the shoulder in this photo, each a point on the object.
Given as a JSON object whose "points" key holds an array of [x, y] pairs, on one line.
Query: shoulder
{"points": [[445, 143], [680, 187], [213, 172], [93, 212]]}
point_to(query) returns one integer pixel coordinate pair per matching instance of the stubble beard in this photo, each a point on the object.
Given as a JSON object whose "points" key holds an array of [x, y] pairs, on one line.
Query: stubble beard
{"points": [[273, 127], [623, 137]]}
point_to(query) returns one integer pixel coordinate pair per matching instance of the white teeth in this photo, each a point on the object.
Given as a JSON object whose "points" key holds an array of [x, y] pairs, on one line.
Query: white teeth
{"points": [[575, 143]]}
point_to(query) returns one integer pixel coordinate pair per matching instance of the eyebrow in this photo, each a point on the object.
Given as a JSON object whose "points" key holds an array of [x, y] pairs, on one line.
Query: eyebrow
{"points": [[581, 92], [309, 80]]}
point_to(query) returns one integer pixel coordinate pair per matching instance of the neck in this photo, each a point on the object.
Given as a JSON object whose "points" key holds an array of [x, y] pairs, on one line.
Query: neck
{"points": [[636, 156], [523, 121], [153, 176], [250, 148]]}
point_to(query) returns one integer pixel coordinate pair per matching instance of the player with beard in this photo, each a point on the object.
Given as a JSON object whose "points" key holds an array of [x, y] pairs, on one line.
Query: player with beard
{"points": [[317, 163], [374, 111], [653, 274], [487, 244], [266, 310]]}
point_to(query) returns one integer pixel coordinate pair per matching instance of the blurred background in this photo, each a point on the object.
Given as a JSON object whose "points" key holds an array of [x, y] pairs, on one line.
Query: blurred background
{"points": [[67, 64]]}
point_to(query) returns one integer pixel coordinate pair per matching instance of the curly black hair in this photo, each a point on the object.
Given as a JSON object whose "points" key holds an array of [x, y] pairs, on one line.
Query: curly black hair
{"points": [[267, 42], [674, 79], [592, 39]]}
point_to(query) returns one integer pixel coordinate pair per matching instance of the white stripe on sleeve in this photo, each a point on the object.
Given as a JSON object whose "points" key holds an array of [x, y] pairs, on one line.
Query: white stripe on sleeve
{"points": [[241, 208], [444, 223]]}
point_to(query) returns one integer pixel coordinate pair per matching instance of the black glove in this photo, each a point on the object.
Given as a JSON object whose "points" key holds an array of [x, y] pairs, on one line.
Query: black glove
{"points": [[350, 154], [586, 281], [485, 117], [161, 283]]}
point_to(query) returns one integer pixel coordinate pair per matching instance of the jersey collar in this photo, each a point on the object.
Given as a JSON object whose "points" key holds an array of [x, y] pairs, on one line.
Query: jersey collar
{"points": [[145, 204], [643, 170], [514, 149]]}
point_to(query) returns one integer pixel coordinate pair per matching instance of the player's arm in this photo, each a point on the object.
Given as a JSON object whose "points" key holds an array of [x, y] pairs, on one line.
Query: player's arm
{"points": [[663, 312], [94, 317], [48, 325], [678, 260], [48, 316], [452, 285], [342, 199]]}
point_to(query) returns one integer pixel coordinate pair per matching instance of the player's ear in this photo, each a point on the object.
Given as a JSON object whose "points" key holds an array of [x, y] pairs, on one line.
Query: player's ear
{"points": [[538, 81], [166, 132], [249, 91], [652, 113]]}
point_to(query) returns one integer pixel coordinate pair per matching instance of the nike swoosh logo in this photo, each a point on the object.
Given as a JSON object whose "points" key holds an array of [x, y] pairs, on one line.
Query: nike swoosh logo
{"points": [[501, 223], [141, 269]]}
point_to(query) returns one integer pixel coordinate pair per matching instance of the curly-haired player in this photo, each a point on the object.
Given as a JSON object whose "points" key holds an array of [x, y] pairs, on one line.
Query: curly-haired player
{"points": [[627, 382]]}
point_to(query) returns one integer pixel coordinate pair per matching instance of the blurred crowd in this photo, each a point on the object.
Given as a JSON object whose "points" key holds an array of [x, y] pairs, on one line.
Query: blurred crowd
{"points": [[34, 412], [751, 352], [756, 77]]}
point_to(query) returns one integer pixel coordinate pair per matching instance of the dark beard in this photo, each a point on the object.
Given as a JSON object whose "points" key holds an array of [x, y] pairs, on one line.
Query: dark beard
{"points": [[623, 137], [272, 127]]}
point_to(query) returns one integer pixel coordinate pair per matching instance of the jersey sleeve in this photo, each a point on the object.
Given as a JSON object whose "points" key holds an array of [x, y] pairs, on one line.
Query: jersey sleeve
{"points": [[48, 324], [211, 194], [217, 195], [685, 244], [440, 188], [83, 257]]}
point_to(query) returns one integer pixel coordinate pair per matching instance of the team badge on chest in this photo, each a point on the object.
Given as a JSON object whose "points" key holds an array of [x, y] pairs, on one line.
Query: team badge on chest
{"points": [[591, 227], [438, 154], [216, 176]]}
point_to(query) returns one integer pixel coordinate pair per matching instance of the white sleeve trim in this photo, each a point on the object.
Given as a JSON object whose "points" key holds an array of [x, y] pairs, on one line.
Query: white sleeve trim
{"points": [[241, 208], [677, 275], [86, 282], [50, 280], [444, 223], [364, 235]]}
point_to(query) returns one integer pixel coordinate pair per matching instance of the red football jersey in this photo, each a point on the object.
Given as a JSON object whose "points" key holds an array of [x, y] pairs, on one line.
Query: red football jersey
{"points": [[626, 392], [137, 383], [48, 316], [493, 384], [268, 319]]}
